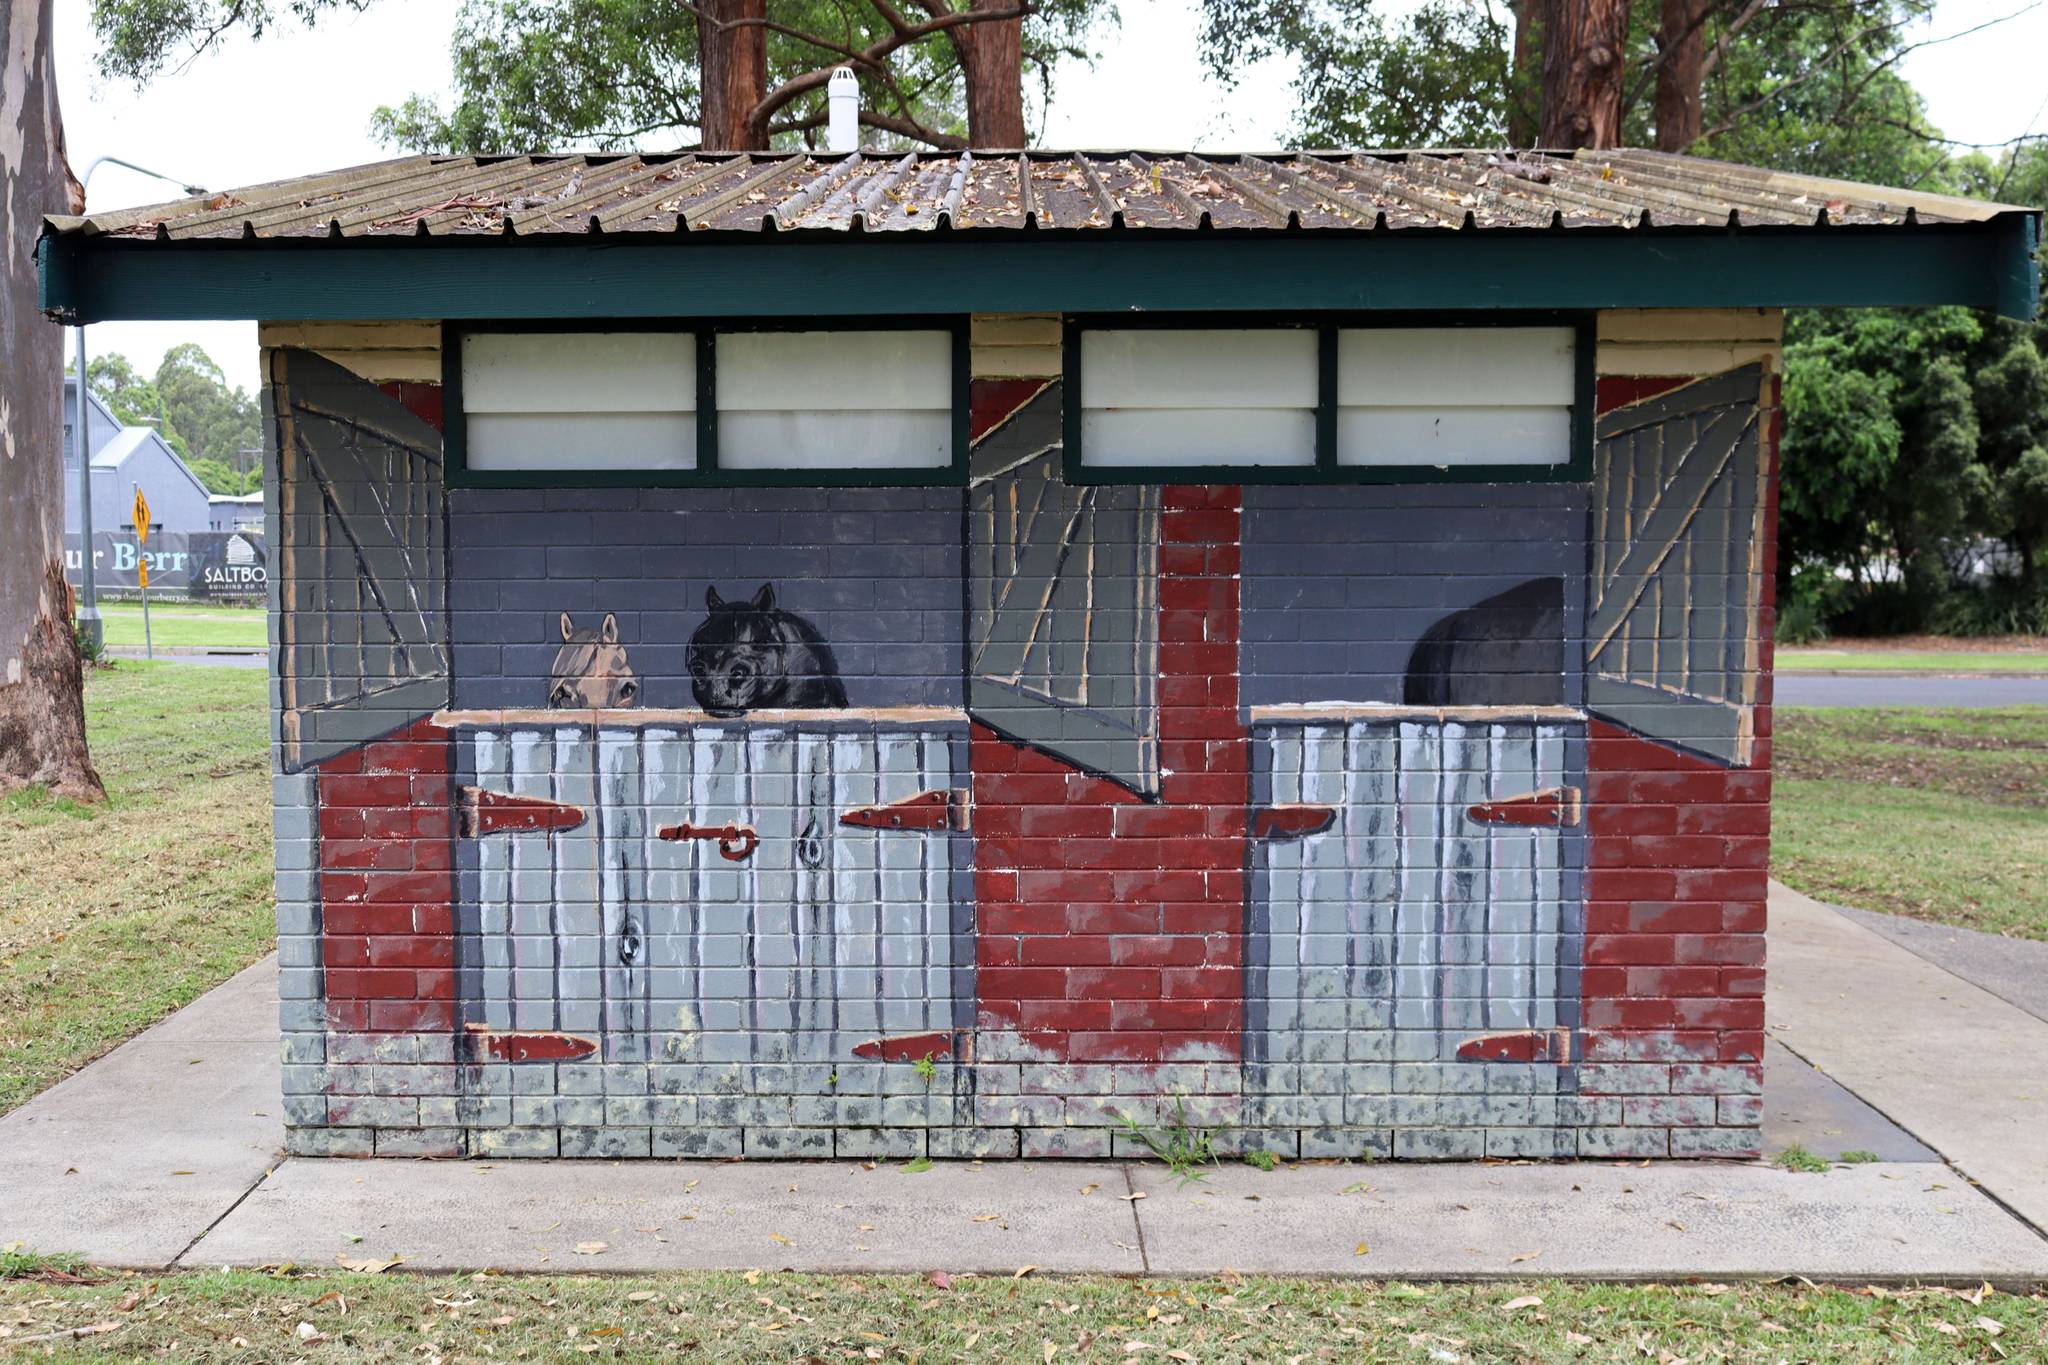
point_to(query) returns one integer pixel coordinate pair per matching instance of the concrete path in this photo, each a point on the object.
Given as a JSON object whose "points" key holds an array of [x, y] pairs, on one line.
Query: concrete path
{"points": [[1953, 1064], [2013, 969], [132, 1159], [163, 1154], [1842, 689], [1880, 1222]]}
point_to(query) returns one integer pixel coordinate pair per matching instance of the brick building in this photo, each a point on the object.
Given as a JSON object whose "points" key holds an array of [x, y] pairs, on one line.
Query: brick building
{"points": [[861, 656]]}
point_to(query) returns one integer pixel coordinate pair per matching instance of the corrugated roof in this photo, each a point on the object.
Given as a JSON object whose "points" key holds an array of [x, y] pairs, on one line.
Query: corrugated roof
{"points": [[551, 195]]}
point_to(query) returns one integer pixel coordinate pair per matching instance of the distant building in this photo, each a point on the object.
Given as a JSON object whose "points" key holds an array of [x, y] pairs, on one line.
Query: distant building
{"points": [[122, 459], [236, 512]]}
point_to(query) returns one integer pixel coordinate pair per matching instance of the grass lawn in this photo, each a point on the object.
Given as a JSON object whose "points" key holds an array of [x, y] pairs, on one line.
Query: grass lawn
{"points": [[113, 916], [1941, 815], [187, 625], [244, 1316], [1912, 661]]}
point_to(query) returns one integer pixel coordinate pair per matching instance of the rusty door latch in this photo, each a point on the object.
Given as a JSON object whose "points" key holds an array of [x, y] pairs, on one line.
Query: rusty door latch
{"points": [[736, 843]]}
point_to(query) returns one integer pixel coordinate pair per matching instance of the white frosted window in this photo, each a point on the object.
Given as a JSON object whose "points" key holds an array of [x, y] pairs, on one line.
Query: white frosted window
{"points": [[1198, 397], [835, 400], [1455, 396], [576, 401]]}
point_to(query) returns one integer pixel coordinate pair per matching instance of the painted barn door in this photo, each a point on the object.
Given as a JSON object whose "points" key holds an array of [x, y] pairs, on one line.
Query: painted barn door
{"points": [[1414, 896], [1062, 586], [716, 892], [363, 632], [1678, 506]]}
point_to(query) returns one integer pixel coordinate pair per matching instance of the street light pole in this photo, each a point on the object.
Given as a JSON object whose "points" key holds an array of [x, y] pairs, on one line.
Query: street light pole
{"points": [[89, 603]]}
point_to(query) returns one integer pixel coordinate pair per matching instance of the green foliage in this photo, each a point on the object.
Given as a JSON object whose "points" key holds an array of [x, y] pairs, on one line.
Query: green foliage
{"points": [[18, 1262], [1438, 75], [190, 403], [1183, 1147], [1859, 1157], [535, 74], [1262, 1161], [927, 1070], [1798, 1158]]}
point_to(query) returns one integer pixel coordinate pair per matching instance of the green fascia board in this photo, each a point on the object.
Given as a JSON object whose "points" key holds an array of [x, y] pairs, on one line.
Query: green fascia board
{"points": [[1987, 265]]}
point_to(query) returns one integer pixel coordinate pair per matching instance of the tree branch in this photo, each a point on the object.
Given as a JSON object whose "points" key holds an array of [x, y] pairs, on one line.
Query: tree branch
{"points": [[903, 34]]}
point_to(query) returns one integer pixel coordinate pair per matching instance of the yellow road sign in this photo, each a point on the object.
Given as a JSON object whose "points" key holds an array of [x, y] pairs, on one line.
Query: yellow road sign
{"points": [[141, 517], [142, 572]]}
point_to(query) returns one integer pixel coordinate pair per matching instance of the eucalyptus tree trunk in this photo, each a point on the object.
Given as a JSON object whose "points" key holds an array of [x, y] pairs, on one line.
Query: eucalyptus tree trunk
{"points": [[1682, 39], [1583, 43], [992, 58], [1525, 74], [732, 72], [42, 699]]}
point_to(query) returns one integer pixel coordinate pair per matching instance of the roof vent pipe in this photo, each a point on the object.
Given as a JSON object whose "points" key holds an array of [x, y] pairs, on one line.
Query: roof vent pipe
{"points": [[842, 107]]}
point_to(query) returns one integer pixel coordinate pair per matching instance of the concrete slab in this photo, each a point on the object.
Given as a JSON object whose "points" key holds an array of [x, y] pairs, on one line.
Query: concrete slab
{"points": [[829, 1216], [2013, 969], [1672, 1220], [129, 1160], [1810, 1108], [1949, 1062]]}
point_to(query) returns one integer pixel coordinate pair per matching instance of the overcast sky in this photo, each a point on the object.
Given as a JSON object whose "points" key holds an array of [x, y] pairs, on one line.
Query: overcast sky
{"points": [[300, 101]]}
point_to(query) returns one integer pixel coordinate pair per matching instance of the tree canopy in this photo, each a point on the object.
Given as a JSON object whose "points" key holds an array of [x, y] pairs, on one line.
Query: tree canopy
{"points": [[535, 74], [210, 423]]}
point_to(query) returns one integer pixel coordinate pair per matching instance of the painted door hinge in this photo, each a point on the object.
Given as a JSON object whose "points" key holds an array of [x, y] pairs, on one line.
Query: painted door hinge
{"points": [[913, 1047], [504, 1045], [1529, 1045], [489, 812], [941, 808], [1550, 806], [1292, 822]]}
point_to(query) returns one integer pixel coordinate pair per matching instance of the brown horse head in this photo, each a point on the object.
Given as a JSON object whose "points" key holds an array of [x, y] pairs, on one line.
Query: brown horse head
{"points": [[591, 669]]}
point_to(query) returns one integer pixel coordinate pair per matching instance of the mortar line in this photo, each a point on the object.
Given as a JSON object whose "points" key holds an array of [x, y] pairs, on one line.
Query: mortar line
{"points": [[268, 1171], [1137, 1219], [1946, 1160]]}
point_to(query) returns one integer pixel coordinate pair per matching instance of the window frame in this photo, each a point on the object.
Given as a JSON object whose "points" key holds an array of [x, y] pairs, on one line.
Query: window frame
{"points": [[708, 473], [1325, 469]]}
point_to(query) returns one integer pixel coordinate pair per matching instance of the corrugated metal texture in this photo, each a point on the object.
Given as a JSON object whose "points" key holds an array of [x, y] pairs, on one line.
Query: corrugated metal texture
{"points": [[541, 195]]}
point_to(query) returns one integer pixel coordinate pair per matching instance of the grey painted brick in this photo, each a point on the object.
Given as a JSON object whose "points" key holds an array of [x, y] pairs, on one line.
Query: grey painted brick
{"points": [[1632, 1142], [1739, 1111], [606, 1142], [1439, 1144], [786, 1142], [1087, 1144], [1696, 1079], [330, 1141], [305, 1111], [421, 1142], [1531, 1142], [1725, 1142], [968, 1143], [707, 1144], [1345, 1144], [1609, 1078], [1668, 1111], [881, 1144], [515, 1142], [374, 1111]]}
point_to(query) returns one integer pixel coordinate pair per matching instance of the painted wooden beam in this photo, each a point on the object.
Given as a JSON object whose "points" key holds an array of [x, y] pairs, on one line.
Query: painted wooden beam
{"points": [[1984, 265]]}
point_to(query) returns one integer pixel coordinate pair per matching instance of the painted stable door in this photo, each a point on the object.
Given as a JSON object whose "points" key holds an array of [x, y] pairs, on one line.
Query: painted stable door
{"points": [[1415, 908], [723, 892]]}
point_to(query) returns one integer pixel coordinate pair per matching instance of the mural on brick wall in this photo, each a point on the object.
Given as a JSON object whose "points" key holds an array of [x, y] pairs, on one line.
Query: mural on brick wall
{"points": [[1400, 819]]}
